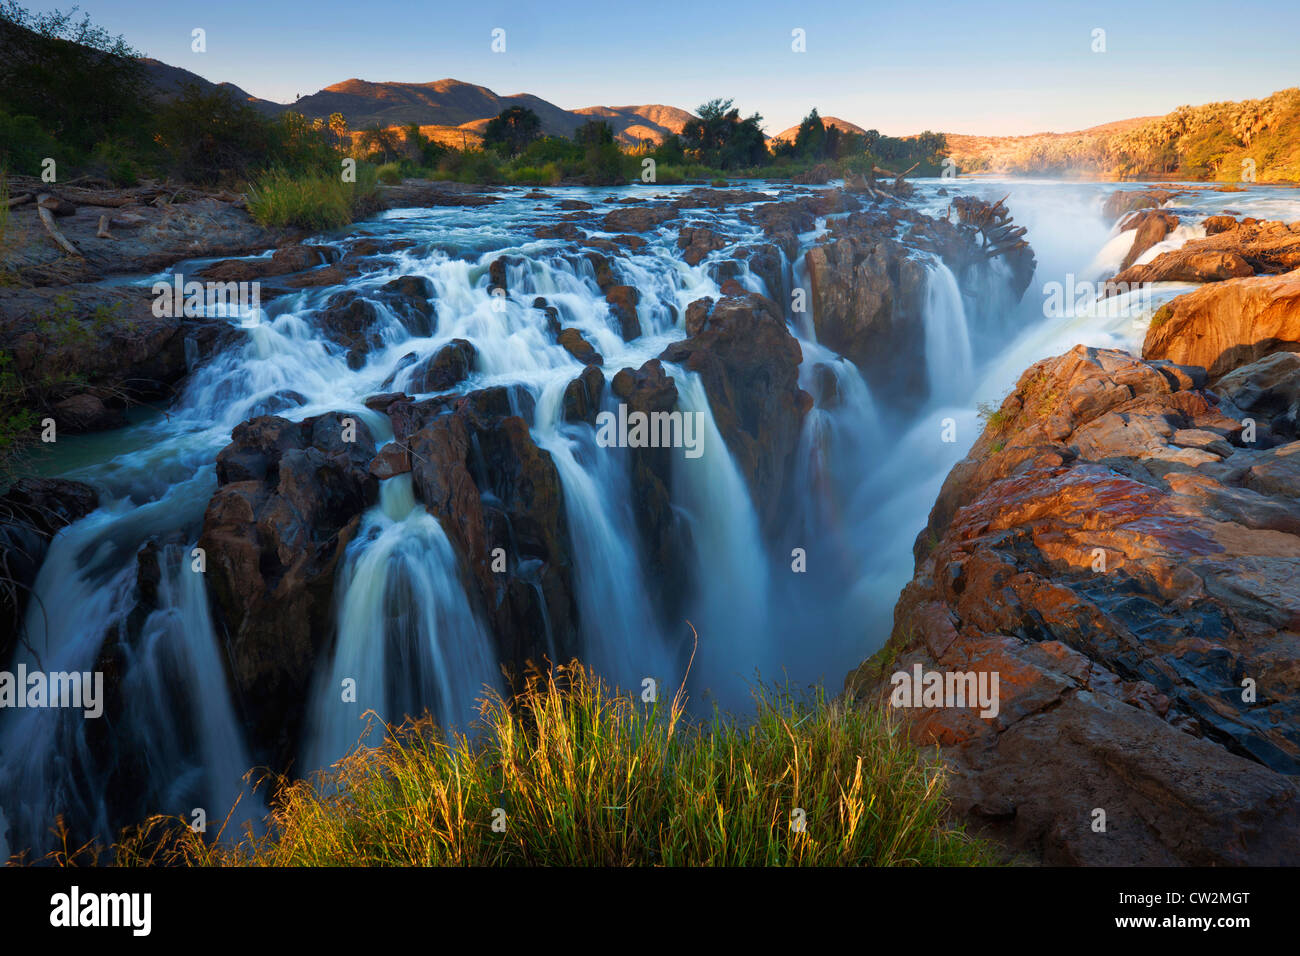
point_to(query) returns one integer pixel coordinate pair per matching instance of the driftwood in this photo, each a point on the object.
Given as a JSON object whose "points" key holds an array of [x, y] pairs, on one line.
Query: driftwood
{"points": [[992, 223], [19, 200], [44, 203], [103, 232]]}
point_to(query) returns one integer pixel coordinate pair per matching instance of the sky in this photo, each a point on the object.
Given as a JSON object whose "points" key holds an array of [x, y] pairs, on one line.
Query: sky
{"points": [[900, 67]]}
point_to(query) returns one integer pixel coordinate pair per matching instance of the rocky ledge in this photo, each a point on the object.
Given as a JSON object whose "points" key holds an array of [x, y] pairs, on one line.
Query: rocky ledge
{"points": [[1121, 548]]}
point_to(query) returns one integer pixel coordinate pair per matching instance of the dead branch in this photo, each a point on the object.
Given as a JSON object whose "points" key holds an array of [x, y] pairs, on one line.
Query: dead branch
{"points": [[44, 203]]}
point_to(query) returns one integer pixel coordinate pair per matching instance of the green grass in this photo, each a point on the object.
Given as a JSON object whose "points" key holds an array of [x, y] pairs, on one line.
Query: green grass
{"points": [[1162, 315], [315, 201], [586, 777]]}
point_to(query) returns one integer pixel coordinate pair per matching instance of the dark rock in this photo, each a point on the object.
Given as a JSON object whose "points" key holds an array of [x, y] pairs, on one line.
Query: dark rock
{"points": [[749, 364], [579, 348], [290, 498]]}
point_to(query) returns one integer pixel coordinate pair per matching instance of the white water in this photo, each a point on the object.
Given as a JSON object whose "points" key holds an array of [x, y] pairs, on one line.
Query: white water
{"points": [[865, 476], [407, 638]]}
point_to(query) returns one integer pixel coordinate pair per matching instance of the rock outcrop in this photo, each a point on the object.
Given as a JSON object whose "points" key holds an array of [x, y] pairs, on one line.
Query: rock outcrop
{"points": [[32, 512], [290, 498], [749, 364], [477, 470], [1120, 553], [1251, 247], [1228, 324]]}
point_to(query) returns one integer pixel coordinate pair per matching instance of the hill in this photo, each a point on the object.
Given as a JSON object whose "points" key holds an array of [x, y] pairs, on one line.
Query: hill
{"points": [[1215, 141], [842, 125]]}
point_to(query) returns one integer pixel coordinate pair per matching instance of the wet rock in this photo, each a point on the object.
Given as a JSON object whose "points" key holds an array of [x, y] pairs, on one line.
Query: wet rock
{"points": [[1250, 247], [477, 470], [446, 368], [866, 303], [579, 348], [393, 459], [696, 242], [1122, 561], [350, 318], [604, 271], [552, 315], [380, 403], [32, 512], [291, 258], [1130, 200], [290, 498], [622, 301], [749, 364], [1228, 324], [665, 538], [637, 218], [1151, 225], [582, 396]]}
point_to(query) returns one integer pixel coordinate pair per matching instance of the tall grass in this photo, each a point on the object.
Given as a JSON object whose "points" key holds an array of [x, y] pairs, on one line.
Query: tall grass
{"points": [[574, 775], [315, 201]]}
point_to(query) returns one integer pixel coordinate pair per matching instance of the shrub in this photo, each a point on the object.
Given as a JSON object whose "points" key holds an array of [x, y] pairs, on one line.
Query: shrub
{"points": [[390, 173], [316, 201]]}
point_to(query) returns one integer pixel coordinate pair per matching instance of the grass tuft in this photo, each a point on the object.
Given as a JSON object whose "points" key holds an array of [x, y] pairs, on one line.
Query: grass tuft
{"points": [[581, 776], [314, 201]]}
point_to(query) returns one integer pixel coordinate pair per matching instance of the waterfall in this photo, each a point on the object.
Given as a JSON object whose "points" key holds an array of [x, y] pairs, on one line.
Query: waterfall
{"points": [[622, 639], [948, 358], [407, 638], [730, 565], [863, 478]]}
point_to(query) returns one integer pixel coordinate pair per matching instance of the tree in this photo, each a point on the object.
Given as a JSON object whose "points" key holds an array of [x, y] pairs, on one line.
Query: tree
{"points": [[512, 130], [78, 80], [811, 139], [594, 133], [719, 137], [381, 141], [338, 127]]}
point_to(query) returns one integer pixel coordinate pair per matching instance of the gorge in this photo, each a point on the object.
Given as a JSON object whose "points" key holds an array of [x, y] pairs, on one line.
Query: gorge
{"points": [[390, 491]]}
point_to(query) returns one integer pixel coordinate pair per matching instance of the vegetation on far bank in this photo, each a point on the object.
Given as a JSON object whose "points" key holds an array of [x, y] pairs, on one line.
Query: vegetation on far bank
{"points": [[569, 773], [74, 93], [1243, 141]]}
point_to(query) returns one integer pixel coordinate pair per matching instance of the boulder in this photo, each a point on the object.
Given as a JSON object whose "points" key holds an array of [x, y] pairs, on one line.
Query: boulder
{"points": [[1151, 226], [696, 242], [1130, 200], [582, 396], [579, 348], [351, 317], [1248, 247], [637, 218], [1228, 324], [622, 301], [446, 368]]}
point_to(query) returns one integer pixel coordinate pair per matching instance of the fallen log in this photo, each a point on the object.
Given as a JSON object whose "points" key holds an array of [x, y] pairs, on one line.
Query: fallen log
{"points": [[103, 232], [44, 203], [18, 200]]}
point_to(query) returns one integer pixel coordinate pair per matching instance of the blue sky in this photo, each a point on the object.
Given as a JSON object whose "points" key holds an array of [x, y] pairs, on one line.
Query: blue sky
{"points": [[900, 67]]}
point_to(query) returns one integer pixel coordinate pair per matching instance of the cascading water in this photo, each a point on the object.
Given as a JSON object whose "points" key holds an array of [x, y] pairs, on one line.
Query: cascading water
{"points": [[865, 476], [948, 359], [407, 638]]}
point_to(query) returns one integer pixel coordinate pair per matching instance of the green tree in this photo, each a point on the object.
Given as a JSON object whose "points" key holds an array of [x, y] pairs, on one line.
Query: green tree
{"points": [[594, 133], [512, 130]]}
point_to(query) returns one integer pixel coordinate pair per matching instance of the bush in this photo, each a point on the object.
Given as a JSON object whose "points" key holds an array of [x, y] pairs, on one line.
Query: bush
{"points": [[390, 173], [316, 201], [590, 778]]}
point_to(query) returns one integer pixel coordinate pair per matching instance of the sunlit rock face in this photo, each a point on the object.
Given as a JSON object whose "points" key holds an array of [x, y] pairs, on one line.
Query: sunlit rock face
{"points": [[1121, 548]]}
